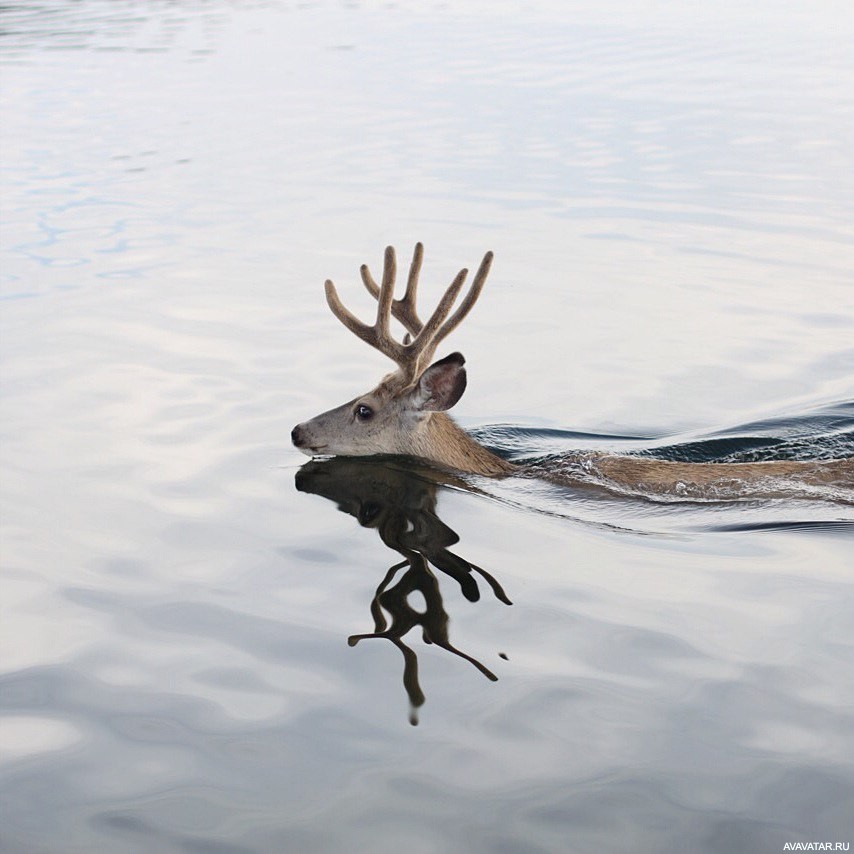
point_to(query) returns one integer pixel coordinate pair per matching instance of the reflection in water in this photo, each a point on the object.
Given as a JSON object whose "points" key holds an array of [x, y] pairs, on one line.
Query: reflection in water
{"points": [[400, 503]]}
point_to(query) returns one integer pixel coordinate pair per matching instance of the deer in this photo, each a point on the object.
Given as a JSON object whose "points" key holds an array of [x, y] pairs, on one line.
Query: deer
{"points": [[406, 413]]}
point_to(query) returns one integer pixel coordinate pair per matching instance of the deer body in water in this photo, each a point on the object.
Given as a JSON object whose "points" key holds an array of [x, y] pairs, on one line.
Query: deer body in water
{"points": [[406, 413]]}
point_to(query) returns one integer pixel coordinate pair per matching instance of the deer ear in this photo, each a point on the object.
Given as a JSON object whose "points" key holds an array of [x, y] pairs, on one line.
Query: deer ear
{"points": [[442, 384]]}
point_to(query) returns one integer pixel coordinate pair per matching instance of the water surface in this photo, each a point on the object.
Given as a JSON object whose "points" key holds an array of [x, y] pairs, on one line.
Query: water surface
{"points": [[669, 195]]}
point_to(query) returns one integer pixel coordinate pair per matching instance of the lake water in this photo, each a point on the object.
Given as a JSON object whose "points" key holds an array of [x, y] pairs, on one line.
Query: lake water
{"points": [[669, 192]]}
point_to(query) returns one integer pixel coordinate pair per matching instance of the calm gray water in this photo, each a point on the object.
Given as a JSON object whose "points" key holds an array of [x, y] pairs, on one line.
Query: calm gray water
{"points": [[669, 192]]}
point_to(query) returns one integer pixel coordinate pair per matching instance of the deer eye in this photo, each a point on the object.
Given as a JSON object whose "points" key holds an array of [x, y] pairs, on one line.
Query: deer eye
{"points": [[364, 413]]}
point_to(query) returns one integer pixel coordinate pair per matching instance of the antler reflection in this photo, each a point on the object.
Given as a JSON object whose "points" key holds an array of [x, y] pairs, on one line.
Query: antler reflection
{"points": [[399, 501]]}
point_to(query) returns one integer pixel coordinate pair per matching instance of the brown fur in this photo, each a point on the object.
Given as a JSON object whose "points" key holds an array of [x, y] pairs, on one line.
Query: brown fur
{"points": [[656, 474], [446, 444], [451, 447]]}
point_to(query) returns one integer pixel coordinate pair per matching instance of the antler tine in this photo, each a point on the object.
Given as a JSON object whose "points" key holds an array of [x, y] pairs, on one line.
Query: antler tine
{"points": [[355, 325], [425, 342], [407, 314], [437, 327], [468, 301], [369, 334], [386, 295], [368, 281], [402, 309]]}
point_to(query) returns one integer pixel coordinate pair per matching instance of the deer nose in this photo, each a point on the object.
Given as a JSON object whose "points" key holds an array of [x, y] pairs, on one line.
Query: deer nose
{"points": [[296, 436]]}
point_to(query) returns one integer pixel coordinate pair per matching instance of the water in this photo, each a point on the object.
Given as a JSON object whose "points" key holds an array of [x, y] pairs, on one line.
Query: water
{"points": [[669, 193]]}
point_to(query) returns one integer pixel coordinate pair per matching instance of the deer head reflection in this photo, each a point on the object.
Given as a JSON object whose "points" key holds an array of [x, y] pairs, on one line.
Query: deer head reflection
{"points": [[398, 500]]}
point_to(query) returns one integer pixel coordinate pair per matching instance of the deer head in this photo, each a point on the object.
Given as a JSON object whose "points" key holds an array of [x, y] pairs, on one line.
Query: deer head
{"points": [[404, 414]]}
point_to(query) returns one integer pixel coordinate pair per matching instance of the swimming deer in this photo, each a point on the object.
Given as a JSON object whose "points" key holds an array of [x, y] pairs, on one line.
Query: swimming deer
{"points": [[406, 413]]}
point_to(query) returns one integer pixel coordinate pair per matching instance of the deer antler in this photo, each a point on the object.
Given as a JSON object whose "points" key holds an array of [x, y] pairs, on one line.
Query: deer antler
{"points": [[413, 353]]}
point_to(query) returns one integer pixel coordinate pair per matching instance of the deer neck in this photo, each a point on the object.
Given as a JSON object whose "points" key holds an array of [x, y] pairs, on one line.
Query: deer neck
{"points": [[442, 441]]}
